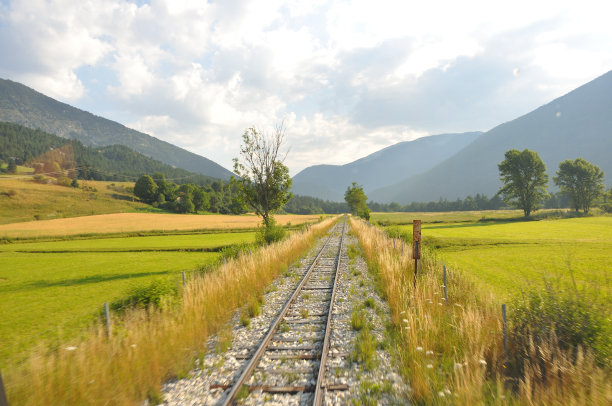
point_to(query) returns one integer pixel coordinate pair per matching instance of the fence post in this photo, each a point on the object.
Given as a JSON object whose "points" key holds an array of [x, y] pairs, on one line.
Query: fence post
{"points": [[505, 332], [183, 278], [3, 399], [416, 262], [445, 297], [108, 320]]}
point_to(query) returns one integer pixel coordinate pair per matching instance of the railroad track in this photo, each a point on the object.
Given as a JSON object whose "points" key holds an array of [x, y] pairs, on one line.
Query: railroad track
{"points": [[292, 356]]}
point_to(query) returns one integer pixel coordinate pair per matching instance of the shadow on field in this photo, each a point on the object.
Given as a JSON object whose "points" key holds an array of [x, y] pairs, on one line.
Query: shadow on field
{"points": [[80, 281]]}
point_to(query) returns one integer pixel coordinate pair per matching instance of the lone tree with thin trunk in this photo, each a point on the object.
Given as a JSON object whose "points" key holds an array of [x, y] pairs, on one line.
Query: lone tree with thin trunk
{"points": [[263, 180], [525, 180], [582, 181], [356, 199]]}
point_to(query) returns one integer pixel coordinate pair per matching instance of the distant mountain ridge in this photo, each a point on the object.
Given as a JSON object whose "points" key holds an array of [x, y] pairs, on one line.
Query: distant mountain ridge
{"points": [[384, 167], [578, 124], [20, 104]]}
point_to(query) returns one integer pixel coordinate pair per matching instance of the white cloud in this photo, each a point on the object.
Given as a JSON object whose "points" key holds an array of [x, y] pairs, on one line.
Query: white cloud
{"points": [[348, 76]]}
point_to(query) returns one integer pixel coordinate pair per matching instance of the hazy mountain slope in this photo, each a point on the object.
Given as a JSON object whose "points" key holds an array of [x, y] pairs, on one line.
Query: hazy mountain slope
{"points": [[578, 124], [384, 167], [112, 162], [21, 105]]}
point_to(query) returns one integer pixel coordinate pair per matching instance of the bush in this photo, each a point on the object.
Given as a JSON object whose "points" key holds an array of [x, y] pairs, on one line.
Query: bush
{"points": [[569, 319], [271, 233], [64, 181], [153, 294], [233, 251], [41, 179]]}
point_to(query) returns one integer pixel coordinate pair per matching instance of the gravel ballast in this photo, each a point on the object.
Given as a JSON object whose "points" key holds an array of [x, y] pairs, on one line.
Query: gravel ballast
{"points": [[370, 374]]}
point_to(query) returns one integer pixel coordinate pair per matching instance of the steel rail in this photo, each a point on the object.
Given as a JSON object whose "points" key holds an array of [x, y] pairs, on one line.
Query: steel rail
{"points": [[319, 390], [248, 369]]}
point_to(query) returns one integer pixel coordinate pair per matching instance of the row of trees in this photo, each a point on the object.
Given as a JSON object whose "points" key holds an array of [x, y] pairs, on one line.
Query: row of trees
{"points": [[216, 197], [313, 205], [526, 182]]}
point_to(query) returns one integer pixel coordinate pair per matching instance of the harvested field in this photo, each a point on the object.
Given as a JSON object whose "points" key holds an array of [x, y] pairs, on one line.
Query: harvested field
{"points": [[134, 222]]}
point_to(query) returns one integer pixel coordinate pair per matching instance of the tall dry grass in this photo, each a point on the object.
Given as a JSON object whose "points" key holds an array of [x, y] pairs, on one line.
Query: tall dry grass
{"points": [[150, 346], [452, 353]]}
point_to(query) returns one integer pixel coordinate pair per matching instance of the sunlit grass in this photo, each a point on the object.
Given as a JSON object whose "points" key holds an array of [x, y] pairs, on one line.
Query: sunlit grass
{"points": [[506, 257], [151, 346], [452, 353]]}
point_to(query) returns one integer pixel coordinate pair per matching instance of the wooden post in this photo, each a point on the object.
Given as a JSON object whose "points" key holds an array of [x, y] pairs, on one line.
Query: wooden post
{"points": [[505, 332], [416, 263], [416, 249], [3, 399], [183, 278], [108, 320], [445, 297]]}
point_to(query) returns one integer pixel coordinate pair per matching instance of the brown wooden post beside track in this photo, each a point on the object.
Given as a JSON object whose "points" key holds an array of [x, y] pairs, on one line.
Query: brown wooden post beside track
{"points": [[416, 246]]}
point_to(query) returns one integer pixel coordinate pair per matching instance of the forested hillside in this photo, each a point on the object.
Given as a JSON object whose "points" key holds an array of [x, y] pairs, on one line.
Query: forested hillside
{"points": [[21, 105], [115, 162]]}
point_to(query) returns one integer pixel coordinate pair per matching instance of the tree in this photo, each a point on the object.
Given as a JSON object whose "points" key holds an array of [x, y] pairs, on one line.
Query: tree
{"points": [[581, 180], [201, 200], [12, 166], [356, 199], [145, 189], [525, 180], [263, 180]]}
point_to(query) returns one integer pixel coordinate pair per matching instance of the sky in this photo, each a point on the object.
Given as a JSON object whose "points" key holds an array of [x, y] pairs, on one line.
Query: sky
{"points": [[347, 78]]}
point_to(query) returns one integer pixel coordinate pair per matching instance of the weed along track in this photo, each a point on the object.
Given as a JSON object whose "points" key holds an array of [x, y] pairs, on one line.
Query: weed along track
{"points": [[298, 346]]}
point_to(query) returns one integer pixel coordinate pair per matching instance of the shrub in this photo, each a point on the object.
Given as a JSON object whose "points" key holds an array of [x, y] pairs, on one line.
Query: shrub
{"points": [[569, 319], [270, 234], [233, 251], [64, 181], [40, 179], [153, 294]]}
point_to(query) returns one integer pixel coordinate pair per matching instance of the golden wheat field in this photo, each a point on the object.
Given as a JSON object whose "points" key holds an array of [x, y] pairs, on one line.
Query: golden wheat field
{"points": [[133, 222]]}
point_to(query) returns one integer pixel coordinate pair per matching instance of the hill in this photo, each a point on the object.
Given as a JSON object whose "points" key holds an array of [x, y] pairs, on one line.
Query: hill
{"points": [[578, 124], [114, 162], [21, 105], [384, 167]]}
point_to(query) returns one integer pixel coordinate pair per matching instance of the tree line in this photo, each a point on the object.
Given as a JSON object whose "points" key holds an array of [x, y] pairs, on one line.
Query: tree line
{"points": [[525, 180], [216, 197]]}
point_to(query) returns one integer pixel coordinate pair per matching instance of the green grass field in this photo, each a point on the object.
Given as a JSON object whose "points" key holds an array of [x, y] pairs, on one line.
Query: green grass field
{"points": [[53, 290], [25, 200], [505, 256]]}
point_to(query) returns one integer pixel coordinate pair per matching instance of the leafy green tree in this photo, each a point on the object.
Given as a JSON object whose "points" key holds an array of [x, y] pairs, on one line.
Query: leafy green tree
{"points": [[525, 180], [201, 200], [263, 180], [356, 199], [581, 180], [146, 189], [185, 204]]}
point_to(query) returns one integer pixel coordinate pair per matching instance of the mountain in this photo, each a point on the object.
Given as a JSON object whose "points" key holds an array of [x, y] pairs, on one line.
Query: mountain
{"points": [[578, 124], [384, 167], [21, 105], [113, 162]]}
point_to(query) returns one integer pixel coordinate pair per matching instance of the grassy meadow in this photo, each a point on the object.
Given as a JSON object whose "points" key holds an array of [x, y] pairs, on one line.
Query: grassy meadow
{"points": [[452, 352], [505, 256], [149, 346], [24, 200], [65, 251], [52, 290]]}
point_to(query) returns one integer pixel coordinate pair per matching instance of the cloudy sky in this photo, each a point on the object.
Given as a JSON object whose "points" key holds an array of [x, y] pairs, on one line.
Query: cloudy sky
{"points": [[347, 77]]}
